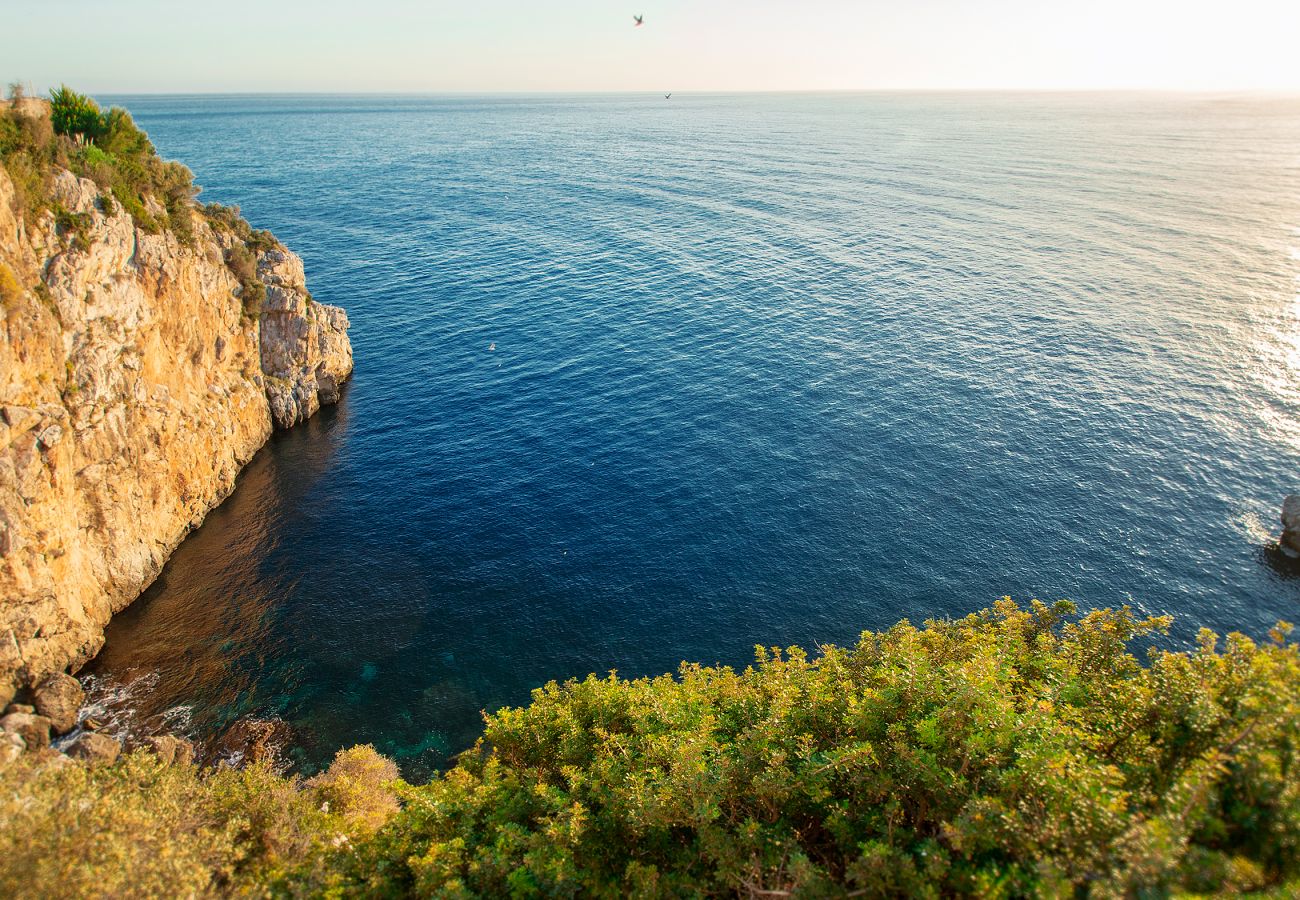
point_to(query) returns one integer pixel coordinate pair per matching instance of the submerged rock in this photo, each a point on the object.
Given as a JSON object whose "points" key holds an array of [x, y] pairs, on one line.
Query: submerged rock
{"points": [[251, 741], [94, 747], [58, 698]]}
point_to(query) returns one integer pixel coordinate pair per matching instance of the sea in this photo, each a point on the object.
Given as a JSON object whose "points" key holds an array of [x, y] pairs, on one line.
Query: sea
{"points": [[643, 380]]}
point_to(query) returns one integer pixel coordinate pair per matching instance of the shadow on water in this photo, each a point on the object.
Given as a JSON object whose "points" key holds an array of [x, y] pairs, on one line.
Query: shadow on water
{"points": [[1281, 564], [209, 623]]}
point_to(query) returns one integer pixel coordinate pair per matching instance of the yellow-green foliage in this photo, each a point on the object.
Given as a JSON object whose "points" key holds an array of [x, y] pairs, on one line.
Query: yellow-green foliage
{"points": [[228, 219], [140, 828], [1013, 753], [75, 115], [29, 153], [242, 263], [241, 257], [10, 290], [356, 786]]}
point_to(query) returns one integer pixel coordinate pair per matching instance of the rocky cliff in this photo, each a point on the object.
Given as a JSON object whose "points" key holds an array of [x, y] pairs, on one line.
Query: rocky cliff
{"points": [[135, 382]]}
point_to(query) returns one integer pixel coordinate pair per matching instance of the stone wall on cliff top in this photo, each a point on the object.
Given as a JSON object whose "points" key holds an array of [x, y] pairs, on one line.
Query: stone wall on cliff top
{"points": [[133, 389]]}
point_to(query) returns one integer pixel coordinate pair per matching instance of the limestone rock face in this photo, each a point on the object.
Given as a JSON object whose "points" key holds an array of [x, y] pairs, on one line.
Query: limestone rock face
{"points": [[58, 698], [306, 354], [133, 389]]}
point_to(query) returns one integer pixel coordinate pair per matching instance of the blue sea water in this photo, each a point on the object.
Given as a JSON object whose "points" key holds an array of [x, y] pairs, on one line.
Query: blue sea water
{"points": [[641, 381]]}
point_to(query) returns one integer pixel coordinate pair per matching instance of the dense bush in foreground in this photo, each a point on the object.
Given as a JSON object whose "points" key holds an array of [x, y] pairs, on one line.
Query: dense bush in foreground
{"points": [[1012, 753]]}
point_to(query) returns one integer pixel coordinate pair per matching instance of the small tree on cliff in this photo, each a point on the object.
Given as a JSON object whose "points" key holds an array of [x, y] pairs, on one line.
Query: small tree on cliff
{"points": [[75, 115]]}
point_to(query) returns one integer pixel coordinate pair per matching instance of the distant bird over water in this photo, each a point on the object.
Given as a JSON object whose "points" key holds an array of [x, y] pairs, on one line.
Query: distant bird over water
{"points": [[668, 96], [640, 20]]}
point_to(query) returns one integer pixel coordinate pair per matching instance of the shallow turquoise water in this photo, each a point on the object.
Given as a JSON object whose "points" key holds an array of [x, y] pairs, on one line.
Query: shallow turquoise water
{"points": [[767, 369]]}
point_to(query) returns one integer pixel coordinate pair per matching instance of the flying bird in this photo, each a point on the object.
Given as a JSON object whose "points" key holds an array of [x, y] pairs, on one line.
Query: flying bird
{"points": [[640, 20], [668, 96]]}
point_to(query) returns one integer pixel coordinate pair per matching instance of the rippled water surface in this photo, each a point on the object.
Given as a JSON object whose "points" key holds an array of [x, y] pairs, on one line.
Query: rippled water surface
{"points": [[767, 369]]}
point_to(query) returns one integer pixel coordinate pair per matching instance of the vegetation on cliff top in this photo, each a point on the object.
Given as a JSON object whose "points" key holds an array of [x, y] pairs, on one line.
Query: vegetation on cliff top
{"points": [[107, 147], [1016, 752]]}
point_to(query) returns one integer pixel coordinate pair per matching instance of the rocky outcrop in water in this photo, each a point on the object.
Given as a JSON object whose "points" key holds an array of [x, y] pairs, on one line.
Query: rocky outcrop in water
{"points": [[134, 386], [59, 731], [1290, 543], [305, 349]]}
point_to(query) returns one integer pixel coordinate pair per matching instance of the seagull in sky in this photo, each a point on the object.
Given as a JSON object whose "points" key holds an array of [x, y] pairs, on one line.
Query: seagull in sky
{"points": [[640, 20], [668, 96]]}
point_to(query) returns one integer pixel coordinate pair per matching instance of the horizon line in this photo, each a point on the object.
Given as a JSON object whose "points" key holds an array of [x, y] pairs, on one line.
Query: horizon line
{"points": [[598, 92]]}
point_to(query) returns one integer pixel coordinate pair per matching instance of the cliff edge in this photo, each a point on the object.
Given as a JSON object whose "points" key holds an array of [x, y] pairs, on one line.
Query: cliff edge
{"points": [[142, 364]]}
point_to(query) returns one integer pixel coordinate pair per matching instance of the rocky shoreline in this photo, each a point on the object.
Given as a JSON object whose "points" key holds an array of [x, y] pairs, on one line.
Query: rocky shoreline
{"points": [[53, 728], [56, 722]]}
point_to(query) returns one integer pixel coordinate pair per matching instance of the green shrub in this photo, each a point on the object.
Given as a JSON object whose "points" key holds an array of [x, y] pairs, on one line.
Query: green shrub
{"points": [[123, 162], [75, 226], [106, 147], [227, 219], [241, 262], [29, 152], [243, 265], [261, 240], [111, 150], [1012, 753], [181, 222], [122, 137], [132, 203], [75, 115]]}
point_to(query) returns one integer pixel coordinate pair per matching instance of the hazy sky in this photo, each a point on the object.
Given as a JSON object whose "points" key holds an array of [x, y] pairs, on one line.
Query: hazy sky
{"points": [[105, 46]]}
